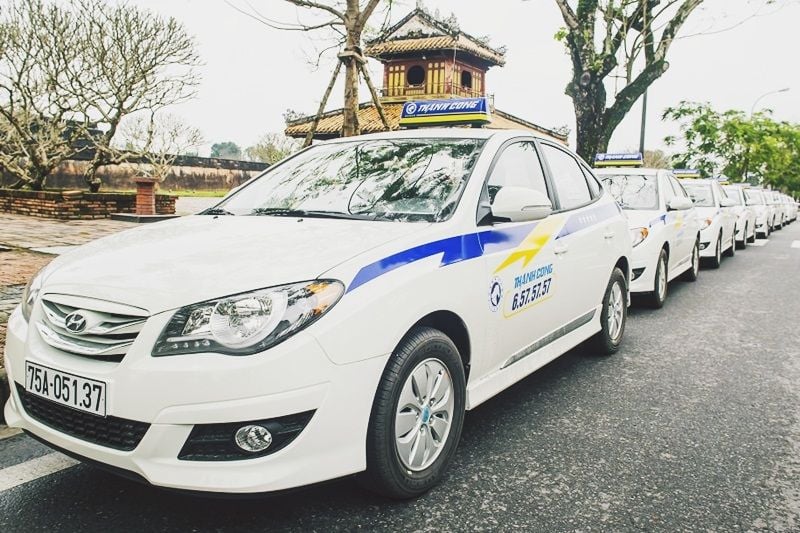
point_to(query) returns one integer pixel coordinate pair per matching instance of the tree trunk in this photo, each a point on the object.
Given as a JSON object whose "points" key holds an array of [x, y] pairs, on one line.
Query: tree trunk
{"points": [[350, 125], [589, 100]]}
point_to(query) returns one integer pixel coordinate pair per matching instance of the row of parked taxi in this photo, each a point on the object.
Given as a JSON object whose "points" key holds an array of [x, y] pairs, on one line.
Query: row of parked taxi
{"points": [[676, 219], [384, 285]]}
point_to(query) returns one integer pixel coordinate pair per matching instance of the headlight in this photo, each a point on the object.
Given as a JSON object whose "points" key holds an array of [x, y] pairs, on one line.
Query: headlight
{"points": [[638, 235], [247, 323], [706, 223], [31, 293]]}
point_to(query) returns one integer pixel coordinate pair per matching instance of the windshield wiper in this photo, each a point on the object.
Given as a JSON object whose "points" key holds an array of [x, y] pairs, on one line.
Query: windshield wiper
{"points": [[216, 211], [282, 212]]}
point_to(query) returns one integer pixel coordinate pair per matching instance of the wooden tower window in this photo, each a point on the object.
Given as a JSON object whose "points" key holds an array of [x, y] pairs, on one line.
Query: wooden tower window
{"points": [[416, 75]]}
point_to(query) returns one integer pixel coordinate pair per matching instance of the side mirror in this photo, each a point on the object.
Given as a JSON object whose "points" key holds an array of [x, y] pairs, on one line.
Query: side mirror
{"points": [[680, 203], [726, 202], [521, 204]]}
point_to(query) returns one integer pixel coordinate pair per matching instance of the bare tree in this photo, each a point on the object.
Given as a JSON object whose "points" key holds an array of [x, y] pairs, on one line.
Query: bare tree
{"points": [[70, 72], [347, 20], [134, 61], [157, 140], [39, 125], [599, 35]]}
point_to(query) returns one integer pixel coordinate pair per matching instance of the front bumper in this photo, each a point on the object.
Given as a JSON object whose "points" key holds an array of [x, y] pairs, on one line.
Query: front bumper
{"points": [[293, 377]]}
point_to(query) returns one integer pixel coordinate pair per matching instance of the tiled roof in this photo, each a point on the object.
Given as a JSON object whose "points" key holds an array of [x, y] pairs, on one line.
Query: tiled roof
{"points": [[441, 42], [439, 36], [330, 125]]}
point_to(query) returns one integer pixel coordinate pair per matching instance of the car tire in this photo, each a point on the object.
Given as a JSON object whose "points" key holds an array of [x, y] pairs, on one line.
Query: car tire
{"points": [[657, 298], [608, 340], [694, 268], [751, 240], [423, 353], [716, 261], [730, 252], [742, 245]]}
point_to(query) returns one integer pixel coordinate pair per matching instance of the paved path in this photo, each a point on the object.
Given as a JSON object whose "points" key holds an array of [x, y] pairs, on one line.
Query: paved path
{"points": [[33, 233], [693, 426]]}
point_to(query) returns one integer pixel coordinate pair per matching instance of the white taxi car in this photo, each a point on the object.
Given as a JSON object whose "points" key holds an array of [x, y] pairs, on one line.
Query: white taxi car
{"points": [[717, 219], [664, 226], [764, 210], [745, 215], [774, 199], [336, 315]]}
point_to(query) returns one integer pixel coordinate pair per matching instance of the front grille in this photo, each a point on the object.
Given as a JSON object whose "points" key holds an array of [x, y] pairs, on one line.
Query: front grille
{"points": [[105, 335], [216, 442], [109, 431]]}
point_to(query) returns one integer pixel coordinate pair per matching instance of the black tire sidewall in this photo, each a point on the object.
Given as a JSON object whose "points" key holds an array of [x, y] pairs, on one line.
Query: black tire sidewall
{"points": [[385, 472], [603, 341]]}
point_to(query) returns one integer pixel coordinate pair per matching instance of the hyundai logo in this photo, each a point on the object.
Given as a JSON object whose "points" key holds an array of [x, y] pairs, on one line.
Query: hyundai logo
{"points": [[75, 322]]}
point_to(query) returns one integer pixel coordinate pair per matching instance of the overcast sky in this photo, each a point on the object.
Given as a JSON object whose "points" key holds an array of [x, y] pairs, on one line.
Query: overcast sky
{"points": [[252, 74]]}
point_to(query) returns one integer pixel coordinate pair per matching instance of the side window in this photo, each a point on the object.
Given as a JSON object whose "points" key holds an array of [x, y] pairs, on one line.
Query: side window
{"points": [[667, 189], [594, 186], [679, 190], [517, 166], [568, 178]]}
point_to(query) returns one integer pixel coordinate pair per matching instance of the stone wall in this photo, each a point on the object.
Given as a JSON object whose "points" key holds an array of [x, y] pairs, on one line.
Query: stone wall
{"points": [[76, 205], [188, 173]]}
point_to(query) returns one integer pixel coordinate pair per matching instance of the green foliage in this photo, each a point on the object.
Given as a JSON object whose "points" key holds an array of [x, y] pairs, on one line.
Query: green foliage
{"points": [[226, 150], [271, 148], [754, 148]]}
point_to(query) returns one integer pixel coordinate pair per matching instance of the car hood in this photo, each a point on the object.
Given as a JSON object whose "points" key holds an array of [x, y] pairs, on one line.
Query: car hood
{"points": [[642, 218], [191, 259]]}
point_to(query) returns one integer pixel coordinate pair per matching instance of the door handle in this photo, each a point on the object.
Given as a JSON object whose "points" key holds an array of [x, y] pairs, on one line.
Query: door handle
{"points": [[609, 234], [560, 249]]}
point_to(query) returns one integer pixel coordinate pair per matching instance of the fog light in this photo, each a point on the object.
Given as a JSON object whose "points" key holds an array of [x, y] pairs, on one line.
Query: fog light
{"points": [[704, 245], [253, 438]]}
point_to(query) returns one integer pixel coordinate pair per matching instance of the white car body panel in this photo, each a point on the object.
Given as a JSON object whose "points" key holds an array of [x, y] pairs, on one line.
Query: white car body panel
{"points": [[394, 275], [722, 221]]}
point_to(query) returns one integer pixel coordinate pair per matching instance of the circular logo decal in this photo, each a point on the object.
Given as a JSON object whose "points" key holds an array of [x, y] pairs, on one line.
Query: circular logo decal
{"points": [[495, 294], [75, 322], [411, 108]]}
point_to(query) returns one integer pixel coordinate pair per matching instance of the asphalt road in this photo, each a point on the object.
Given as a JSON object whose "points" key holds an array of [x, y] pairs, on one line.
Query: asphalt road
{"points": [[693, 426]]}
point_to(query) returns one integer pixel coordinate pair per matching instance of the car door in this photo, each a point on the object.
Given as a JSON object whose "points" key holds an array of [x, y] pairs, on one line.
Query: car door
{"points": [[583, 243], [687, 222], [728, 214], [519, 260], [672, 222]]}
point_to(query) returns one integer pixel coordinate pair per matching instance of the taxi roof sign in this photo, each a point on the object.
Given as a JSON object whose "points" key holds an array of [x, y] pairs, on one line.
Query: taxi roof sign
{"points": [[444, 112], [687, 173], [619, 160]]}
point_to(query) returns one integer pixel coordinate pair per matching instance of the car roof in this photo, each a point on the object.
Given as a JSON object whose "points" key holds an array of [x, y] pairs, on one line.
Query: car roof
{"points": [[446, 133]]}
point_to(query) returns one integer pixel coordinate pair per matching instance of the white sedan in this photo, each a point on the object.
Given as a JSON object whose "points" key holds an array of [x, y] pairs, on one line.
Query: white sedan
{"points": [[764, 211], [336, 315], [664, 226], [745, 215], [717, 219]]}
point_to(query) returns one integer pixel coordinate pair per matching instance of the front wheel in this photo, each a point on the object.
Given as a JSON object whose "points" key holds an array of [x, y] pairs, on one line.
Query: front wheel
{"points": [[694, 270], [657, 298], [416, 417], [742, 245], [613, 316], [716, 261], [730, 252]]}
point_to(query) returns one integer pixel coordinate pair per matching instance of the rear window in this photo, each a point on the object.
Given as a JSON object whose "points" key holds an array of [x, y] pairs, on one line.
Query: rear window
{"points": [[633, 191]]}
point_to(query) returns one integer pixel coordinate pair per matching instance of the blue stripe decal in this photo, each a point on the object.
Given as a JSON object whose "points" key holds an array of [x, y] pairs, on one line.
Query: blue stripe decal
{"points": [[474, 245], [662, 218]]}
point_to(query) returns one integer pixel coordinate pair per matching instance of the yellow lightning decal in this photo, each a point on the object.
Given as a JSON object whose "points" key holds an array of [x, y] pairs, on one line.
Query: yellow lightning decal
{"points": [[533, 243]]}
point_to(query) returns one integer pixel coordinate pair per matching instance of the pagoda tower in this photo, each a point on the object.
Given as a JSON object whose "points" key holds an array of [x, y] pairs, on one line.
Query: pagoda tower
{"points": [[424, 58]]}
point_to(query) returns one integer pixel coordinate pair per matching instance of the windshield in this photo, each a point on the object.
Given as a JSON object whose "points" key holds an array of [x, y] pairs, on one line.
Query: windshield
{"points": [[754, 197], [398, 179], [633, 191], [700, 193], [733, 194]]}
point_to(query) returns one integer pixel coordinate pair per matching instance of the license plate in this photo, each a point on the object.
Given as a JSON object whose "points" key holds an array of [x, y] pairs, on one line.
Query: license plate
{"points": [[77, 392]]}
